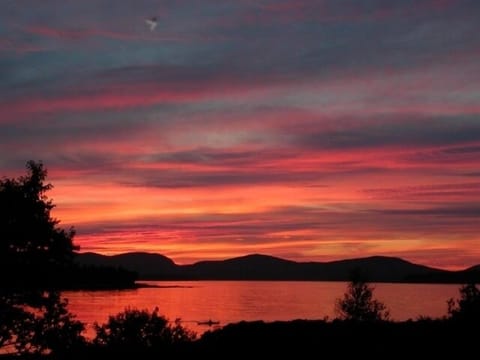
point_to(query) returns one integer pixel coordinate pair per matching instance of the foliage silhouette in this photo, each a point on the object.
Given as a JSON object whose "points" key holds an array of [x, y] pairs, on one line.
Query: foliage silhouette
{"points": [[32, 247], [12, 318], [55, 330], [467, 308], [140, 329], [33, 252], [358, 303]]}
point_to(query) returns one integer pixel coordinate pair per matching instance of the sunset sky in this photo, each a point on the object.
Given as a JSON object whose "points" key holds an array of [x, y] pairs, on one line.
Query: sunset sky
{"points": [[309, 130]]}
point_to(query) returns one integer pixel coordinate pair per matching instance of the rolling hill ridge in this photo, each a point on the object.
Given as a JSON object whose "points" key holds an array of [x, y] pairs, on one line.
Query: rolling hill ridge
{"points": [[264, 267]]}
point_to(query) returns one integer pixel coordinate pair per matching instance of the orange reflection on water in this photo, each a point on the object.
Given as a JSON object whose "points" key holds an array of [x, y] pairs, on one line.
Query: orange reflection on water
{"points": [[234, 301]]}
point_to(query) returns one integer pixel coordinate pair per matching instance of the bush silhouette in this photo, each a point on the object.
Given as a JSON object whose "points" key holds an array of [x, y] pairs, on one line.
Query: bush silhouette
{"points": [[54, 330], [140, 329], [358, 303], [467, 308]]}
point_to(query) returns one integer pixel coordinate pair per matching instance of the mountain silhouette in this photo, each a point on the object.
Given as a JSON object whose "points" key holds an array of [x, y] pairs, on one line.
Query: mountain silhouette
{"points": [[146, 265], [249, 267], [151, 266]]}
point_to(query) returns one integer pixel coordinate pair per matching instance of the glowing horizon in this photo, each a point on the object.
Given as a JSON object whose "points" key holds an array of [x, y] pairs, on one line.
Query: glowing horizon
{"points": [[307, 130]]}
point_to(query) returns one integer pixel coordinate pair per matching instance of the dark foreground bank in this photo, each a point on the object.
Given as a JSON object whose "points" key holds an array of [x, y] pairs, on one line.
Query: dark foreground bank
{"points": [[306, 339]]}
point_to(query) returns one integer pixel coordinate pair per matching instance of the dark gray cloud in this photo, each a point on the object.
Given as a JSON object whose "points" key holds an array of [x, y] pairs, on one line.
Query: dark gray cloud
{"points": [[470, 189], [394, 131], [212, 179], [322, 224], [222, 157], [326, 40], [463, 213], [454, 155]]}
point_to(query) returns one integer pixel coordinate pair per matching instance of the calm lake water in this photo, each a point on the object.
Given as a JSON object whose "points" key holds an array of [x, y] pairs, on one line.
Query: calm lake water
{"points": [[233, 301]]}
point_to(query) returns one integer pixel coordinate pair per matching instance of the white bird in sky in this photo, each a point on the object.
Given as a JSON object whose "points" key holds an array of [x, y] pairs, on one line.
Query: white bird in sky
{"points": [[152, 23]]}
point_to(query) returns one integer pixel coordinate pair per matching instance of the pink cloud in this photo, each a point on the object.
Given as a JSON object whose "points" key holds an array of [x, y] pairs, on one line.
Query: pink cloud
{"points": [[19, 48], [116, 97], [85, 34]]}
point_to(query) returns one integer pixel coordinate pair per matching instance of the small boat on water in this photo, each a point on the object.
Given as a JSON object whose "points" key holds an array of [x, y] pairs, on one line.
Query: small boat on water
{"points": [[209, 322]]}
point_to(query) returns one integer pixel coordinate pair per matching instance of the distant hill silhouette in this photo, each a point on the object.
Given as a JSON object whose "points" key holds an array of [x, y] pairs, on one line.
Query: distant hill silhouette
{"points": [[263, 267], [146, 265]]}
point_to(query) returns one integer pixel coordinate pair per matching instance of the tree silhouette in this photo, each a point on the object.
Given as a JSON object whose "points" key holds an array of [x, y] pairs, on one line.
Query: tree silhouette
{"points": [[140, 329], [31, 243], [358, 303], [467, 308], [34, 251]]}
